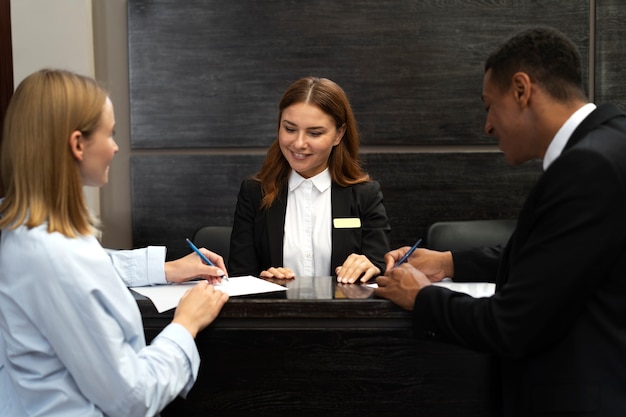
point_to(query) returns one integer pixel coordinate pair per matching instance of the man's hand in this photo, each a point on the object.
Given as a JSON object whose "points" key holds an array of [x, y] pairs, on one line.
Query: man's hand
{"points": [[434, 264], [401, 285]]}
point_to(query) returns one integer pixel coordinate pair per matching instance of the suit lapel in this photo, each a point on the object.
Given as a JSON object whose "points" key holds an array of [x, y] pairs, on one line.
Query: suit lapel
{"points": [[276, 227], [341, 202]]}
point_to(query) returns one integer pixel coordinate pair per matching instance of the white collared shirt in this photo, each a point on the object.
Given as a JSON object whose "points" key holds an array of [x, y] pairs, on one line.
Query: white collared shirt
{"points": [[565, 132], [307, 242]]}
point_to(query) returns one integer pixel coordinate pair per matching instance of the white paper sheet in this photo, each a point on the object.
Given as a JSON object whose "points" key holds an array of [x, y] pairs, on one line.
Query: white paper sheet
{"points": [[475, 289], [166, 297]]}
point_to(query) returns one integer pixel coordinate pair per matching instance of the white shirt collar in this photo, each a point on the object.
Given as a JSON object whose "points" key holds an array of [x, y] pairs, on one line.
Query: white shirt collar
{"points": [[562, 136], [321, 181]]}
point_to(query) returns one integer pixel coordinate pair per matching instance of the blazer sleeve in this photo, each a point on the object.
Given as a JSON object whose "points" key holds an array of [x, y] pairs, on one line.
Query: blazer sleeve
{"points": [[376, 227], [477, 264], [364, 201], [243, 258]]}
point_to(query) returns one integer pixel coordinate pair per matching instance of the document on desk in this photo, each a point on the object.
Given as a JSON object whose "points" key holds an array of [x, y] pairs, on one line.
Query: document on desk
{"points": [[166, 297], [475, 289]]}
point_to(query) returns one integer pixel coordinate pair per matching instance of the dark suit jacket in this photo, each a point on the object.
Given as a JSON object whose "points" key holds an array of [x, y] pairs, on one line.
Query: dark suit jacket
{"points": [[257, 239], [557, 321]]}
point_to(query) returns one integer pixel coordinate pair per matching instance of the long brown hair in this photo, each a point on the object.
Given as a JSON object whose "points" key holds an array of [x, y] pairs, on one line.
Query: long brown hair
{"points": [[343, 164], [39, 172]]}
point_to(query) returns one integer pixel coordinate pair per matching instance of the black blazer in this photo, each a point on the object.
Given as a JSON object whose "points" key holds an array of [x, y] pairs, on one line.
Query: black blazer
{"points": [[256, 242], [557, 321]]}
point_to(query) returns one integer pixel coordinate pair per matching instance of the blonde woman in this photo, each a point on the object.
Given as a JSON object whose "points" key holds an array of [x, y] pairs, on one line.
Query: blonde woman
{"points": [[71, 336]]}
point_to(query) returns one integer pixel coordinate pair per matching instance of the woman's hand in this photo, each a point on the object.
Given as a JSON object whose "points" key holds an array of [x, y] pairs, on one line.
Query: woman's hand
{"points": [[191, 266], [279, 272], [355, 267], [199, 306]]}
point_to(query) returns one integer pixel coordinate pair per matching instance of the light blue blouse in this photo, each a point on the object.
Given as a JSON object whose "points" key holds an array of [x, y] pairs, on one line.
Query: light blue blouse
{"points": [[71, 336]]}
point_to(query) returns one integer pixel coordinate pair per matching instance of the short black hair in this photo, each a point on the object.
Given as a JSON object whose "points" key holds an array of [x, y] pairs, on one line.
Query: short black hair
{"points": [[549, 58]]}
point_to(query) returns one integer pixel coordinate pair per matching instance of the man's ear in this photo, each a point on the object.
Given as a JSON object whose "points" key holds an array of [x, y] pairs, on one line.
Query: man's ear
{"points": [[521, 87], [76, 145]]}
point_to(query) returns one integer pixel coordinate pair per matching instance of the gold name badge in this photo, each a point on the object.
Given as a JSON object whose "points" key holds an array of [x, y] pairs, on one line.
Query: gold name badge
{"points": [[347, 223]]}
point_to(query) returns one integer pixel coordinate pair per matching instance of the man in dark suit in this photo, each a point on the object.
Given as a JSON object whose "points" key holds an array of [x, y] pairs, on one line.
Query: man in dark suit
{"points": [[557, 320]]}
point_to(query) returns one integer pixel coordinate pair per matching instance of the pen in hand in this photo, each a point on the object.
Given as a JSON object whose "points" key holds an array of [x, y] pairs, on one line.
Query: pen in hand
{"points": [[408, 254], [201, 255]]}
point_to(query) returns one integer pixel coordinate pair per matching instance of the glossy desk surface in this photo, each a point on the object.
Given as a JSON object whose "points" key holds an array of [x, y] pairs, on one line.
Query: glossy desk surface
{"points": [[322, 348], [316, 299]]}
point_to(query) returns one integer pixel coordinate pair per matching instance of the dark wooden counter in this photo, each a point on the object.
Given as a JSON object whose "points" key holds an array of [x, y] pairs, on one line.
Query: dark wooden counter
{"points": [[325, 349]]}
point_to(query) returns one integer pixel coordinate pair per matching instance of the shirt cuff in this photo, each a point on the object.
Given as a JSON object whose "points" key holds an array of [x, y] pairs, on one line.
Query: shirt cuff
{"points": [[140, 267], [181, 337], [156, 265]]}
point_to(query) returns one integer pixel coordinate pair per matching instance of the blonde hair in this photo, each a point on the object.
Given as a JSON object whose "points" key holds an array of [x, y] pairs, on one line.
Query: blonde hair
{"points": [[40, 175]]}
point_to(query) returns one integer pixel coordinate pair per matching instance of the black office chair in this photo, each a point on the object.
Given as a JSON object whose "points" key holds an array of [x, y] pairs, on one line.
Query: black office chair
{"points": [[214, 238], [464, 234]]}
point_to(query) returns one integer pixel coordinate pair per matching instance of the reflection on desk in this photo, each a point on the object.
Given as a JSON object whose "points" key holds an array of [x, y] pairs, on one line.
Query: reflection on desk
{"points": [[323, 348], [322, 288]]}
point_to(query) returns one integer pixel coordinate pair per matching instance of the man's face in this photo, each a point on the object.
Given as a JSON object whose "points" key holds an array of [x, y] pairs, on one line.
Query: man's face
{"points": [[509, 121]]}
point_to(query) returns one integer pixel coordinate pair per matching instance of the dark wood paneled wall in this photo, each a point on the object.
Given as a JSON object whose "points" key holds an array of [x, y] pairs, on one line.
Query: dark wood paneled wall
{"points": [[208, 73], [206, 77], [175, 194], [610, 77]]}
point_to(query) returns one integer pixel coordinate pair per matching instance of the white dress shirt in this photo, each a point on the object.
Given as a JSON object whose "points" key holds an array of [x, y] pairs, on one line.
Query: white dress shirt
{"points": [[562, 136], [307, 242], [71, 335]]}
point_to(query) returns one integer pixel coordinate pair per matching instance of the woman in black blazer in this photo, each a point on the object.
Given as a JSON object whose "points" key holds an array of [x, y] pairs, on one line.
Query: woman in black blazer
{"points": [[311, 210]]}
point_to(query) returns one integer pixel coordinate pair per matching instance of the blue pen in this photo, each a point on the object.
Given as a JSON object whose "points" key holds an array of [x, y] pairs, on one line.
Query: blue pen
{"points": [[406, 255], [201, 255]]}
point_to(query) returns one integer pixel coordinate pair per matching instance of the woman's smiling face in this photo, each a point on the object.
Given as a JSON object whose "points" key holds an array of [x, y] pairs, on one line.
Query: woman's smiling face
{"points": [[306, 137]]}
